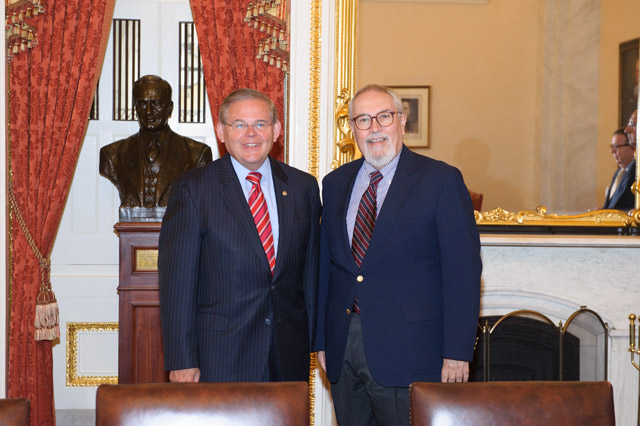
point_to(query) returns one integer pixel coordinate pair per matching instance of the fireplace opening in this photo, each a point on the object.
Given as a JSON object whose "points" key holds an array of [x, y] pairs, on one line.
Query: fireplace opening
{"points": [[522, 348]]}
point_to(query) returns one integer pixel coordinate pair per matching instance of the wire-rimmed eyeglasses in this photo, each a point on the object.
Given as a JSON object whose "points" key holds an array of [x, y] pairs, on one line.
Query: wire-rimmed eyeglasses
{"points": [[384, 119], [613, 148], [241, 126]]}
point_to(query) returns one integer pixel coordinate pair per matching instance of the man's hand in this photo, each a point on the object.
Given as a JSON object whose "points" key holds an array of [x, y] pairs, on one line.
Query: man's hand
{"points": [[454, 371], [184, 376], [322, 360]]}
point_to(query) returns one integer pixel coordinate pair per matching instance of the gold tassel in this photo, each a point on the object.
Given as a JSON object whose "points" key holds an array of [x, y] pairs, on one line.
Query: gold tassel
{"points": [[47, 317], [47, 320]]}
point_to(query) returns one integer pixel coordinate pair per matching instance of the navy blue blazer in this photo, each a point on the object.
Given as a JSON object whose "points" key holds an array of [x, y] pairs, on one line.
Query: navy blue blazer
{"points": [[623, 198], [220, 306], [419, 284]]}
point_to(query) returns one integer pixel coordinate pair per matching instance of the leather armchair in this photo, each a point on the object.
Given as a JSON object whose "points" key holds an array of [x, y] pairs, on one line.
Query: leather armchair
{"points": [[512, 403], [14, 412], [195, 404]]}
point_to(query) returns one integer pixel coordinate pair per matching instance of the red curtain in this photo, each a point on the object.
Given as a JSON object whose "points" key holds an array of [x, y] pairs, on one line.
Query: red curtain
{"points": [[228, 49], [51, 89]]}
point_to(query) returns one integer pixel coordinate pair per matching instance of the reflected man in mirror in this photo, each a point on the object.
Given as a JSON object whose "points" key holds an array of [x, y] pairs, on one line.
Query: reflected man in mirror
{"points": [[143, 165], [619, 195]]}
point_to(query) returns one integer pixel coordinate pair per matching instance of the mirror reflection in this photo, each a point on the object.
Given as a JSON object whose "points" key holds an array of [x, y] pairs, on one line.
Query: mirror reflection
{"points": [[525, 96]]}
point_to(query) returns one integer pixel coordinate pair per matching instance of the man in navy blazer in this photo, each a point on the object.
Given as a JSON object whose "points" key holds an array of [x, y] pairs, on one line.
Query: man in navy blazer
{"points": [[409, 312], [227, 313], [619, 195]]}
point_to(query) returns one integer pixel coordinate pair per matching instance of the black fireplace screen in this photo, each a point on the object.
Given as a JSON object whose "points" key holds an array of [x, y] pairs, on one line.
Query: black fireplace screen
{"points": [[526, 345]]}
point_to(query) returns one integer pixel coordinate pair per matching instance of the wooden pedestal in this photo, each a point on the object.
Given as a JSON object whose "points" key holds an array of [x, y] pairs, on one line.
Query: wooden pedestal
{"points": [[140, 354]]}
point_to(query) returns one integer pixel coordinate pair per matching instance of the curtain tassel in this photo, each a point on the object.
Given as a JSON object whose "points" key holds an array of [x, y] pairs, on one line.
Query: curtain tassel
{"points": [[47, 321], [47, 316]]}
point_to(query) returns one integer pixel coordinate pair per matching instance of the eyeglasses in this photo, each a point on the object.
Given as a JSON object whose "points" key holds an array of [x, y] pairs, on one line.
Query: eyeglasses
{"points": [[241, 126], [616, 147], [384, 119]]}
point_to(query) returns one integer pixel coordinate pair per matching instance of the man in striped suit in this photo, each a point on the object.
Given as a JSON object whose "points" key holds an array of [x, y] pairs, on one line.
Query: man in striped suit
{"points": [[238, 258]]}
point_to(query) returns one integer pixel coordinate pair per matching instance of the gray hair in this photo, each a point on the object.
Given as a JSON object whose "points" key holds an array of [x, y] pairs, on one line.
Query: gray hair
{"points": [[379, 89], [246, 94]]}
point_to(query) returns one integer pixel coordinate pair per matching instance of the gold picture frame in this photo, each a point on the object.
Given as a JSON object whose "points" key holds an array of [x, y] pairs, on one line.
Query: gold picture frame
{"points": [[416, 106], [73, 330]]}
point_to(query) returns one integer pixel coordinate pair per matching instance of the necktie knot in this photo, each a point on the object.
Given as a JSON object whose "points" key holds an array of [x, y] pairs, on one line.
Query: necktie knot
{"points": [[254, 177], [376, 177]]}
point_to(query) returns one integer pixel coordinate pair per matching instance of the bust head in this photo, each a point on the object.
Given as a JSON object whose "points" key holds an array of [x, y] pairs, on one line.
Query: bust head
{"points": [[152, 100]]}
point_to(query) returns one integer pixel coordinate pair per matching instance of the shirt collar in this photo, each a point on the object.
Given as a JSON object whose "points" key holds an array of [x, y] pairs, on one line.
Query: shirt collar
{"points": [[242, 171]]}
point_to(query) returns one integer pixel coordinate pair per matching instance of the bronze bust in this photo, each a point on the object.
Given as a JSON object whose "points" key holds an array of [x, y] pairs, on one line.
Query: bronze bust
{"points": [[143, 165]]}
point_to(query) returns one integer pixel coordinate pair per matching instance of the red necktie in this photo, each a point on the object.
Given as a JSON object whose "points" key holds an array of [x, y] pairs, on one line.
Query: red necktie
{"points": [[365, 219], [365, 222], [260, 212]]}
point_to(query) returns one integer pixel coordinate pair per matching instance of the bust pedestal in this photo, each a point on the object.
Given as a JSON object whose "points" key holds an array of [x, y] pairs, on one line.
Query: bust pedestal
{"points": [[140, 353]]}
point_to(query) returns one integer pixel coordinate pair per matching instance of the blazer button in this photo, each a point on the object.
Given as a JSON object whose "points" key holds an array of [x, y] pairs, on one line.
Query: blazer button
{"points": [[348, 311], [359, 278], [267, 321]]}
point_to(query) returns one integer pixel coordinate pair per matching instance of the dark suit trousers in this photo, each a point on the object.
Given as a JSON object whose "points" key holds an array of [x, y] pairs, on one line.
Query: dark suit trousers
{"points": [[357, 398]]}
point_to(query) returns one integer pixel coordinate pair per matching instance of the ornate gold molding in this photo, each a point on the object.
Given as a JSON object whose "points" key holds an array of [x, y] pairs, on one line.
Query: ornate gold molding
{"points": [[344, 147], [540, 217], [315, 51], [73, 328]]}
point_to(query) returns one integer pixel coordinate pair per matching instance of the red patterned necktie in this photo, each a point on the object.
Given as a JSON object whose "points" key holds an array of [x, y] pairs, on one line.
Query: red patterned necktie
{"points": [[365, 219], [260, 212], [365, 222]]}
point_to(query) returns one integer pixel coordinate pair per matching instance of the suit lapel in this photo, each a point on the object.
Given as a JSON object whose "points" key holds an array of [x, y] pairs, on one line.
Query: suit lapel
{"points": [[285, 205], [233, 197], [170, 169], [133, 163], [342, 208], [394, 202], [624, 185]]}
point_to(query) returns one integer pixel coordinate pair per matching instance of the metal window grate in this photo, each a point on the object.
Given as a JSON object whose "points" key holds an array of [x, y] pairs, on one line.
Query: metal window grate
{"points": [[191, 97], [95, 113], [126, 67]]}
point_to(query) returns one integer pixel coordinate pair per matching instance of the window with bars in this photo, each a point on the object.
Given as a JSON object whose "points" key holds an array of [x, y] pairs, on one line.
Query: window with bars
{"points": [[126, 67], [192, 92]]}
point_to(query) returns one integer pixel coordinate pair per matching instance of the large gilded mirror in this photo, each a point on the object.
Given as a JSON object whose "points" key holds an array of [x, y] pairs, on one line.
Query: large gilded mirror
{"points": [[524, 95]]}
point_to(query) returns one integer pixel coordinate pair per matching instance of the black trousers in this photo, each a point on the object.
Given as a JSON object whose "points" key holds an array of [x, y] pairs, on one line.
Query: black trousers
{"points": [[357, 398]]}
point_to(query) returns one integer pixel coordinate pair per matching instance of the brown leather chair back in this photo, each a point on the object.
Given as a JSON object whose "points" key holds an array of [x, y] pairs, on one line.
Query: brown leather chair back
{"points": [[476, 200], [195, 404], [14, 412], [512, 403]]}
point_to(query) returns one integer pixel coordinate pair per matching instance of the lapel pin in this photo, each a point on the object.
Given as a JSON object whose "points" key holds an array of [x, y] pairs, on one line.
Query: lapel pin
{"points": [[284, 193]]}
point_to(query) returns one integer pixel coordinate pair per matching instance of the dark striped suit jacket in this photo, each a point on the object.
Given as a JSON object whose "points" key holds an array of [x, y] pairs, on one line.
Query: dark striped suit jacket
{"points": [[220, 305]]}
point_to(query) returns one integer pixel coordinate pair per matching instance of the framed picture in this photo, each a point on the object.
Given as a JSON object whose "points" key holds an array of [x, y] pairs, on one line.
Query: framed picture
{"points": [[416, 107], [628, 79]]}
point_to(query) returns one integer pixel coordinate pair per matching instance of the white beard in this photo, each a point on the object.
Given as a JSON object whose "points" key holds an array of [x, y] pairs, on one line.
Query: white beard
{"points": [[379, 159]]}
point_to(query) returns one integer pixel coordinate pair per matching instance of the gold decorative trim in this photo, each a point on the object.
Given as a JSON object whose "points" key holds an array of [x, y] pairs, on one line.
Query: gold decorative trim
{"points": [[312, 388], [344, 147], [540, 217], [315, 56], [73, 379], [315, 51]]}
